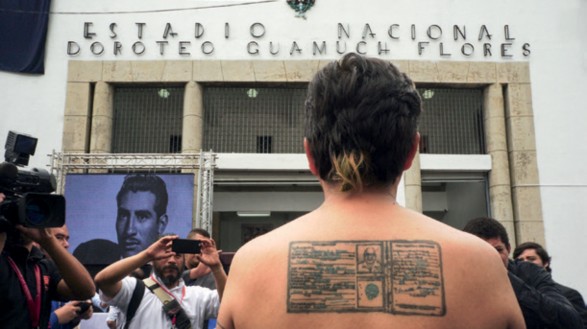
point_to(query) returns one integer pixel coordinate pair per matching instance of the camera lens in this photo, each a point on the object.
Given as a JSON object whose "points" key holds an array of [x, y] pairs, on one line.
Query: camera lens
{"points": [[37, 212], [42, 210]]}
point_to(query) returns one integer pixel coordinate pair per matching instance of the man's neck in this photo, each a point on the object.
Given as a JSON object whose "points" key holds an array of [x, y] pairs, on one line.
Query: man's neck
{"points": [[386, 194]]}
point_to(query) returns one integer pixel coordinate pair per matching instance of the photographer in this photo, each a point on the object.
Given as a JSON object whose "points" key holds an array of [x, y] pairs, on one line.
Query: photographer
{"points": [[67, 315], [166, 302], [29, 281]]}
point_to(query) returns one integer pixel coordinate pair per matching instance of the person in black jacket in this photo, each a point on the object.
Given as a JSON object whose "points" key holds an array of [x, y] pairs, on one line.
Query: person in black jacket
{"points": [[29, 280], [543, 306], [535, 253]]}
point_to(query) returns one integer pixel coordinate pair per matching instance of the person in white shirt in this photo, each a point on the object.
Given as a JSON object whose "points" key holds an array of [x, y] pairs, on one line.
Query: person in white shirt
{"points": [[198, 303]]}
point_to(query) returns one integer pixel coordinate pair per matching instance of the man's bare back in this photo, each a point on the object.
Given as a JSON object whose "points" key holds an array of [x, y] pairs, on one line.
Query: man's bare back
{"points": [[360, 260], [306, 274]]}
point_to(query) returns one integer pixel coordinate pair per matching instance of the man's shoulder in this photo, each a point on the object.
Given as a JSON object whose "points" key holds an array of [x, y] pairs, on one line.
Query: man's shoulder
{"points": [[97, 251], [571, 294]]}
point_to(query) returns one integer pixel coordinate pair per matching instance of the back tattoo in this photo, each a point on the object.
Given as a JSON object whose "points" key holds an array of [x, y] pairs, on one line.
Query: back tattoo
{"points": [[395, 276]]}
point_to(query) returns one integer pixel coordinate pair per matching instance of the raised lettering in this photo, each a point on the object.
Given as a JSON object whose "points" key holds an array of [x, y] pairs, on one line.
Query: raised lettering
{"points": [[257, 30], [484, 33], [207, 47], [140, 27], [382, 48], [467, 49], [138, 48], [162, 45], [367, 32], [506, 32], [168, 31], [340, 50], [199, 30], [295, 48], [456, 31], [421, 46], [112, 32], [526, 50], [505, 47], [391, 29], [97, 48], [117, 48], [361, 45], [87, 33], [73, 48], [319, 49], [183, 47], [442, 53], [432, 29], [253, 48], [342, 30], [487, 49], [272, 50]]}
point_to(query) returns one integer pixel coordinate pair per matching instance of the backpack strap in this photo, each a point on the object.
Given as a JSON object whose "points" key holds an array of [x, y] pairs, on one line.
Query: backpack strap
{"points": [[171, 306], [135, 300]]}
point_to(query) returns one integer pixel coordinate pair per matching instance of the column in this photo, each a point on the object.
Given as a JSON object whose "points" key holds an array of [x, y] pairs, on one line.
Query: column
{"points": [[496, 146], [527, 204], [102, 117]]}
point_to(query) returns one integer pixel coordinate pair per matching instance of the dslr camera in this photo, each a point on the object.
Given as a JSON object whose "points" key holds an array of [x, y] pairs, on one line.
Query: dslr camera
{"points": [[28, 199]]}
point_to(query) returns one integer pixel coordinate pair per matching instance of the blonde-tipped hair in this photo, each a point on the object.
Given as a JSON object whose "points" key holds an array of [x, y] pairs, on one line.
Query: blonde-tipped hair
{"points": [[347, 170]]}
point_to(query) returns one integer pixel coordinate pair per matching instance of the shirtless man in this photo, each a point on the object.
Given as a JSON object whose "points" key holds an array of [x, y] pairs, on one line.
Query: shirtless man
{"points": [[361, 134]]}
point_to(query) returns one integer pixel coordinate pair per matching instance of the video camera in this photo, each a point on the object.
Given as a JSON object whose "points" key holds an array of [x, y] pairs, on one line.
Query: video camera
{"points": [[28, 201]]}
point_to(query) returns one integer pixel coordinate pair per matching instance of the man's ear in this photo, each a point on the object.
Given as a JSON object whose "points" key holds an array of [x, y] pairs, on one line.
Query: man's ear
{"points": [[310, 158], [413, 151], [162, 224]]}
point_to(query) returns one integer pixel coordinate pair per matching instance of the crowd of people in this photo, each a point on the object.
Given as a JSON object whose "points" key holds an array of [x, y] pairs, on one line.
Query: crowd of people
{"points": [[360, 260]]}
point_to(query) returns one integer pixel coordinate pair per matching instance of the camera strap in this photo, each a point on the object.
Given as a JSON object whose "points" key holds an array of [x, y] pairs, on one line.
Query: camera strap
{"points": [[34, 306], [171, 306]]}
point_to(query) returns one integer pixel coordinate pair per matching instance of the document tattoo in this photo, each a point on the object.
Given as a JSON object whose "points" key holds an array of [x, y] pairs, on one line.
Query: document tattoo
{"points": [[396, 276]]}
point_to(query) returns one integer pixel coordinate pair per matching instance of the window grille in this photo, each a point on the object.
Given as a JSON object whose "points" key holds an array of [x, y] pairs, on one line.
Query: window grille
{"points": [[270, 120], [254, 119], [452, 121], [263, 144], [147, 119]]}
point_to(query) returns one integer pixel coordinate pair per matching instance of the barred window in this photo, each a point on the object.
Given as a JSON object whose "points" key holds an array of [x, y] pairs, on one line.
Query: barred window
{"points": [[254, 119], [270, 120], [147, 119], [452, 121]]}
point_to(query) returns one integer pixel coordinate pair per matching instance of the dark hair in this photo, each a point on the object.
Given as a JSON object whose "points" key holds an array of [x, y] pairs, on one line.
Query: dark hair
{"points": [[146, 183], [487, 228], [361, 120], [199, 231], [540, 251]]}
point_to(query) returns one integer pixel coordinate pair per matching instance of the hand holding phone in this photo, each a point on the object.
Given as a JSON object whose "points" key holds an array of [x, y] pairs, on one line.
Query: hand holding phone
{"points": [[83, 307], [186, 246]]}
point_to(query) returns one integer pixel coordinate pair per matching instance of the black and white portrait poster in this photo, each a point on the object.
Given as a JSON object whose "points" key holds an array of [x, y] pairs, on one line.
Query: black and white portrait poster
{"points": [[111, 216]]}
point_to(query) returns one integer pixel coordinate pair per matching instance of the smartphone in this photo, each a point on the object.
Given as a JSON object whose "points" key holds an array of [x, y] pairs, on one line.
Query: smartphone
{"points": [[83, 307], [185, 246]]}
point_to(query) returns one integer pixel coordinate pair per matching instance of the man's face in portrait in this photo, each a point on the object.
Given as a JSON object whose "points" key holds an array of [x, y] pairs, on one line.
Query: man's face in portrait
{"points": [[370, 256], [137, 223]]}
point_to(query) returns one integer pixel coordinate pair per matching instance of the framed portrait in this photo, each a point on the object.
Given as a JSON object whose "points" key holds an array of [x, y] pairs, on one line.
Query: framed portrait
{"points": [[92, 211]]}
